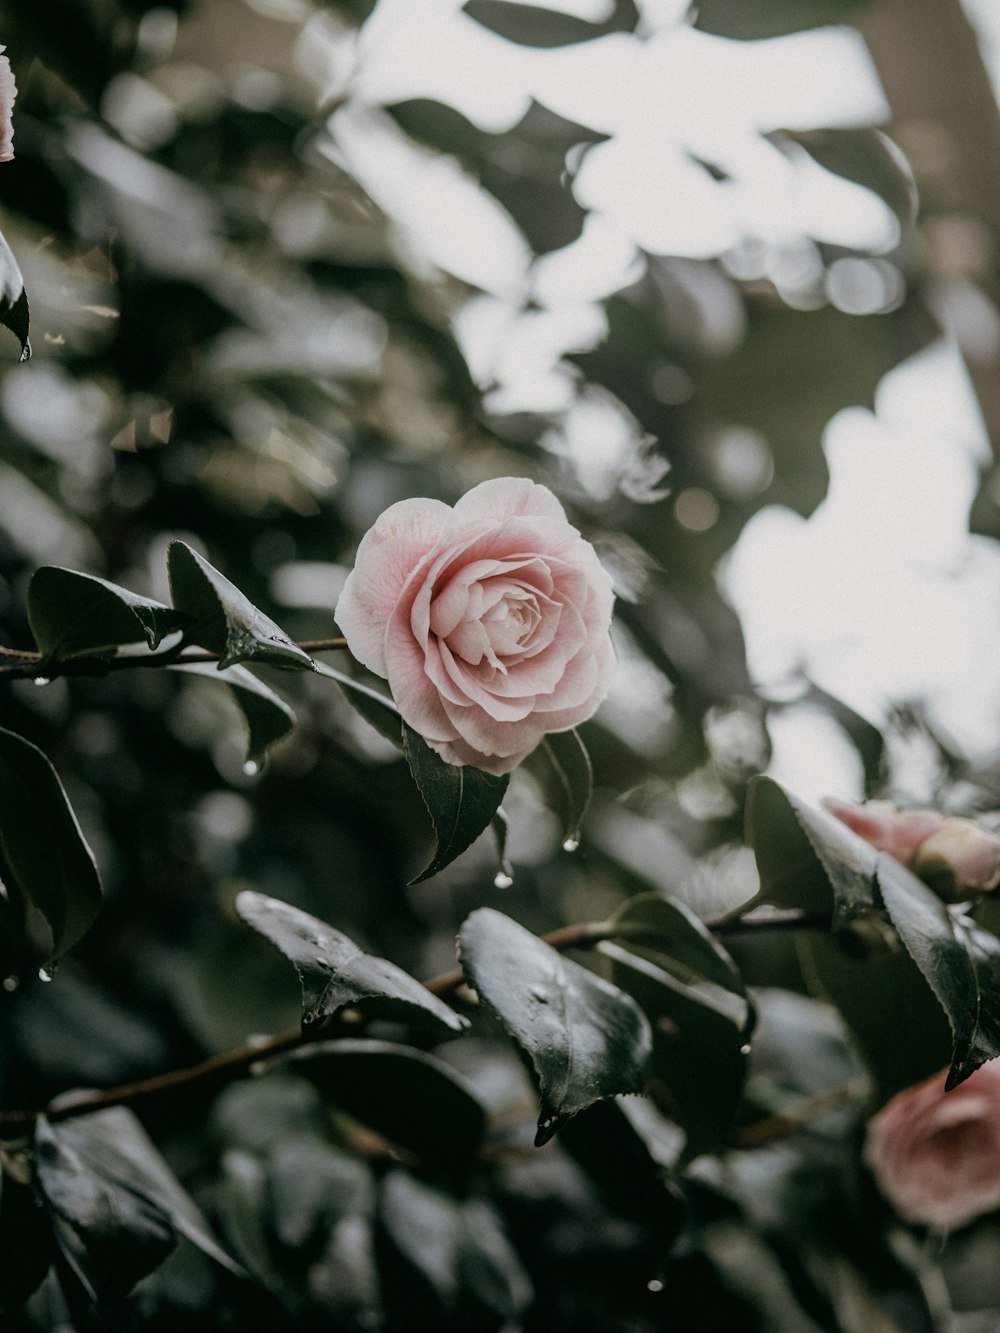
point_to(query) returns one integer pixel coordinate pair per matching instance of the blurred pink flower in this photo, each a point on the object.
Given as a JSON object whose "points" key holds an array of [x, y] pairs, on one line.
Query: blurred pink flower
{"points": [[490, 621], [936, 1155], [956, 857], [8, 91]]}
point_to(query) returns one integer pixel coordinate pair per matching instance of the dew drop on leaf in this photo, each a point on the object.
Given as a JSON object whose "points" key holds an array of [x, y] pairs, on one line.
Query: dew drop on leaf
{"points": [[46, 973], [745, 1048], [501, 880], [251, 769], [654, 1284], [40, 680], [11, 983], [571, 844]]}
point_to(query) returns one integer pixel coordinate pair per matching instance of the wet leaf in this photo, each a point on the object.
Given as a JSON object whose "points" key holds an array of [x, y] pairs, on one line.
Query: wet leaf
{"points": [[570, 761], [77, 615], [268, 718], [335, 973], [376, 709], [670, 935], [14, 313], [223, 620], [586, 1039], [461, 801]]}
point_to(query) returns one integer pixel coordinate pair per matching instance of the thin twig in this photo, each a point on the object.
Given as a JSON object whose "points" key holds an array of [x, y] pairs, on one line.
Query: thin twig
{"points": [[778, 1126], [27, 666]]}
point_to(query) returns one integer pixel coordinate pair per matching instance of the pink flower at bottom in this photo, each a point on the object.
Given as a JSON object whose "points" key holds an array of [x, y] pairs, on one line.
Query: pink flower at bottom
{"points": [[936, 1154], [490, 620], [8, 91]]}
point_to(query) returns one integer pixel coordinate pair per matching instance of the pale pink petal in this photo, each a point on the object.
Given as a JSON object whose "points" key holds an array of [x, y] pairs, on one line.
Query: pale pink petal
{"points": [[507, 497], [8, 92]]}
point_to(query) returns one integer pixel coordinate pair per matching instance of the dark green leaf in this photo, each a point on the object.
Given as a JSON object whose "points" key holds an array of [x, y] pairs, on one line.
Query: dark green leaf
{"points": [[461, 800], [534, 25], [461, 1248], [699, 1052], [587, 1039], [806, 858], [504, 877], [413, 1099], [268, 718], [960, 963], [43, 856], [376, 709], [124, 1234], [335, 973], [113, 1146], [74, 615], [770, 18], [224, 621], [569, 758], [14, 313], [868, 157], [670, 935], [25, 1237]]}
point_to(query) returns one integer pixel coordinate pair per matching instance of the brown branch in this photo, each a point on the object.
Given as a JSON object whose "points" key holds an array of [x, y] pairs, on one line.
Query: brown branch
{"points": [[28, 666], [778, 1126], [582, 935]]}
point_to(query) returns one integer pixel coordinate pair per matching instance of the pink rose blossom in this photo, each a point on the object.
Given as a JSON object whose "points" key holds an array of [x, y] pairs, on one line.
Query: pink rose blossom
{"points": [[8, 91], [955, 856], [936, 1154], [490, 621]]}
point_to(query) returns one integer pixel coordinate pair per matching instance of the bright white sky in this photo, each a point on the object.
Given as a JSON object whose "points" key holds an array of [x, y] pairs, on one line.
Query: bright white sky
{"points": [[881, 595]]}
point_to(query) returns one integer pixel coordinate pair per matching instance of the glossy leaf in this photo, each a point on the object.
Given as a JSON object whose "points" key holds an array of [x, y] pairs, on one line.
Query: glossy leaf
{"points": [[587, 1039], [806, 858], [223, 620], [570, 761], [699, 1052], [14, 313], [44, 859], [76, 615], [960, 963], [268, 718], [670, 935], [335, 973], [411, 1098], [376, 709], [113, 1146], [461, 801]]}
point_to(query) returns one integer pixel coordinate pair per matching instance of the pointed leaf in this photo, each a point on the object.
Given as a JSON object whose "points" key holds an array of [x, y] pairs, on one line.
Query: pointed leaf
{"points": [[586, 1039], [670, 935], [504, 877], [335, 973], [44, 858], [960, 963], [224, 620], [461, 801], [806, 858], [569, 758], [413, 1099], [14, 313], [699, 1052], [75, 615], [376, 709], [268, 718]]}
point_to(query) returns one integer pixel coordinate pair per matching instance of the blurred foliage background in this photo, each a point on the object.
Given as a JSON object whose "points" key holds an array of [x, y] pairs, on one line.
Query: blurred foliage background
{"points": [[289, 262]]}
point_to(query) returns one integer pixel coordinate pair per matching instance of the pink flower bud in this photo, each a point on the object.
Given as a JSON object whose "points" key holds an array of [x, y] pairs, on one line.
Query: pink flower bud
{"points": [[936, 1155], [8, 91], [898, 832]]}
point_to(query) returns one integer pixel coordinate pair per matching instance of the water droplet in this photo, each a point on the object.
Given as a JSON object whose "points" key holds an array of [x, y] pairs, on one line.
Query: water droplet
{"points": [[11, 983], [501, 880], [251, 769], [41, 680], [571, 844], [745, 1048], [654, 1284], [46, 973]]}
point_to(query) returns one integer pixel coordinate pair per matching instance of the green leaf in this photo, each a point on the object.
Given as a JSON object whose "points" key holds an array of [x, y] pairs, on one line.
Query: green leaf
{"points": [[460, 1247], [14, 313], [44, 859], [586, 1039], [335, 973], [669, 934], [226, 622], [699, 1051], [868, 157], [413, 1099], [377, 709], [113, 1146], [461, 800], [770, 18], [504, 877], [77, 615], [268, 718], [534, 25], [806, 858], [960, 963], [569, 759]]}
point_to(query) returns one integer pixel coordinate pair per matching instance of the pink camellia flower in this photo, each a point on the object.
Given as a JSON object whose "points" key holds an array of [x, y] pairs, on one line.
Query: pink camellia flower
{"points": [[956, 857], [490, 621], [8, 91], [936, 1154]]}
